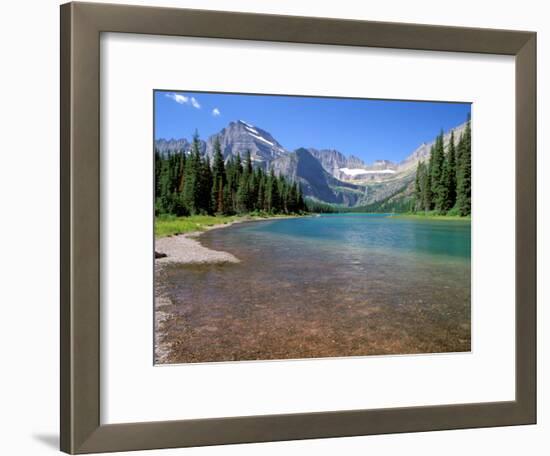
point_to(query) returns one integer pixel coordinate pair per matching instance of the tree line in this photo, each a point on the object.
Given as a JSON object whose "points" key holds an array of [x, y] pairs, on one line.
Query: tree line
{"points": [[444, 184], [191, 185], [386, 205], [390, 204]]}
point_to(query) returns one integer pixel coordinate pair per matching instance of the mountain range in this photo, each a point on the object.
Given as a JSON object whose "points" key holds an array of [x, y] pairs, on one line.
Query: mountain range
{"points": [[326, 175]]}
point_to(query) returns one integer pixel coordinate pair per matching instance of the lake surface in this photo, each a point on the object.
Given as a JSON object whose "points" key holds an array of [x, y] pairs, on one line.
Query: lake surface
{"points": [[332, 285]]}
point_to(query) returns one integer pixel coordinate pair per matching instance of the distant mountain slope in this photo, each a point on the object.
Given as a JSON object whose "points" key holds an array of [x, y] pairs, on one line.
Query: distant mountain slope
{"points": [[422, 152], [316, 182], [351, 168], [165, 146], [401, 184], [333, 160], [326, 175]]}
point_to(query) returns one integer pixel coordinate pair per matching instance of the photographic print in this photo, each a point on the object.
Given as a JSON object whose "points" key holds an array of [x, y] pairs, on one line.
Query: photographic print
{"points": [[293, 227]]}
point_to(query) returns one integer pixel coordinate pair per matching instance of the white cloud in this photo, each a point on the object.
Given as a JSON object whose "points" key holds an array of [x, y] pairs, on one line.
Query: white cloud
{"points": [[195, 103], [216, 112], [182, 99]]}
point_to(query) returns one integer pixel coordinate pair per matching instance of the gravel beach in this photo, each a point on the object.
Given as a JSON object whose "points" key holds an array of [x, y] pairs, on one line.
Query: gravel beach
{"points": [[184, 249]]}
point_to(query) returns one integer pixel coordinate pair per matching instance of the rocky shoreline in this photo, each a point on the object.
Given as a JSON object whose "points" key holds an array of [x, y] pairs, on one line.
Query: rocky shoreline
{"points": [[178, 249], [184, 249], [181, 249]]}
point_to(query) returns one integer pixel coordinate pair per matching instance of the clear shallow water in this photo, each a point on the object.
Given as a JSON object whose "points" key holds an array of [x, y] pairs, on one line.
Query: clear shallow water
{"points": [[334, 285]]}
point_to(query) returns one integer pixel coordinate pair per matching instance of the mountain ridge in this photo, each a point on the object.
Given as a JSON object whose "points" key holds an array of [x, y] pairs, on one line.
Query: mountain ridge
{"points": [[326, 175]]}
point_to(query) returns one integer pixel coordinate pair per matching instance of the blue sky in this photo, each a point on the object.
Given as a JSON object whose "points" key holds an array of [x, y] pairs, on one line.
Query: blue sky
{"points": [[369, 129]]}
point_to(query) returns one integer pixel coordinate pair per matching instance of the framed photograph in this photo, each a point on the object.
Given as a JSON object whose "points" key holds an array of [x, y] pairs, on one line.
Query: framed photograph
{"points": [[279, 227]]}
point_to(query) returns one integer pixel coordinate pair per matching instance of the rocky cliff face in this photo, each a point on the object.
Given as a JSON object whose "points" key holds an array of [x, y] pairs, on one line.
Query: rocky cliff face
{"points": [[240, 136], [303, 167], [165, 146], [351, 168], [332, 160], [326, 175]]}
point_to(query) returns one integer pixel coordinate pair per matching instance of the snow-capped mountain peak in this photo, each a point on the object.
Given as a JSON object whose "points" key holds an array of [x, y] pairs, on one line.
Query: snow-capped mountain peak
{"points": [[241, 136], [246, 124]]}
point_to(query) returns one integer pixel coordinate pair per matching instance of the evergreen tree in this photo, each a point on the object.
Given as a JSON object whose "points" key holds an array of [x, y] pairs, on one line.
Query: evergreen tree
{"points": [[206, 186], [190, 184], [227, 201], [178, 203], [248, 163], [261, 199], [231, 187], [427, 196], [272, 193], [234, 171], [292, 199], [238, 166], [448, 178], [283, 195], [444, 184], [163, 200], [464, 173], [459, 153], [254, 187], [418, 205], [301, 201], [436, 181], [218, 206], [219, 179], [243, 193], [443, 190], [245, 202], [158, 164], [181, 171], [192, 179]]}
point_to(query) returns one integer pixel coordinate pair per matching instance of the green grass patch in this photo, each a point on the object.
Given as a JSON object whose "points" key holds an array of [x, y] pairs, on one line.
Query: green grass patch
{"points": [[432, 215], [168, 225]]}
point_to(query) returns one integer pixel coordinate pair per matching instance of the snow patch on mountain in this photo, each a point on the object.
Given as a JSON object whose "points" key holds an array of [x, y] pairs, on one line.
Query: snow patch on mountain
{"points": [[251, 130], [246, 124], [261, 138], [359, 171]]}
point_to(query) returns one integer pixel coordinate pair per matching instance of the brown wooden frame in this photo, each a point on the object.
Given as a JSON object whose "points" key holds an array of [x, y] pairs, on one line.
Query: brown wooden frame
{"points": [[81, 25]]}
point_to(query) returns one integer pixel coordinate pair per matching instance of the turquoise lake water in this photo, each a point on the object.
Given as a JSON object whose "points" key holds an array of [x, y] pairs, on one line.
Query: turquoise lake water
{"points": [[330, 285], [375, 231]]}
